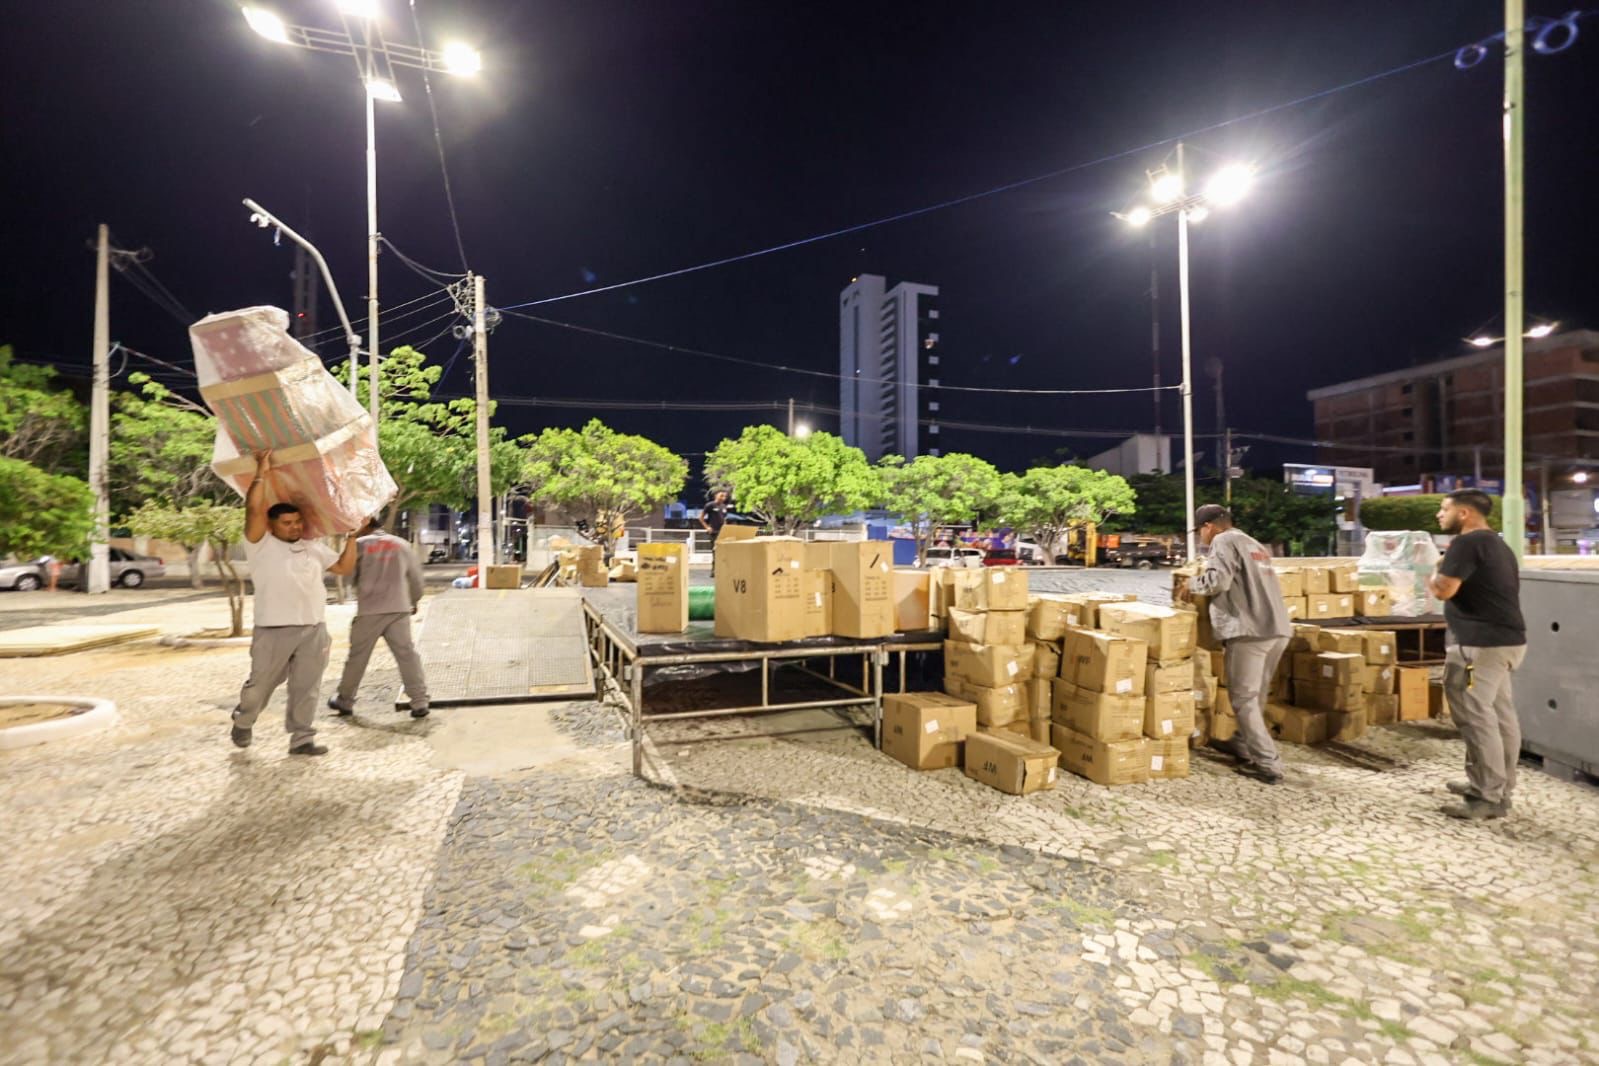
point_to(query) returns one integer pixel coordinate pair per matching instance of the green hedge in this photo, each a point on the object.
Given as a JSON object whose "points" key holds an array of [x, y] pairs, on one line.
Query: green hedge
{"points": [[1411, 512]]}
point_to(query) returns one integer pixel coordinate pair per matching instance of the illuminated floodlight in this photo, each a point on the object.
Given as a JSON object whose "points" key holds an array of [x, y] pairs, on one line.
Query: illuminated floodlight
{"points": [[1482, 342], [1542, 329], [382, 89], [1139, 216], [801, 430], [1166, 186], [1199, 213], [361, 9], [267, 24], [1229, 184], [460, 58], [1580, 477]]}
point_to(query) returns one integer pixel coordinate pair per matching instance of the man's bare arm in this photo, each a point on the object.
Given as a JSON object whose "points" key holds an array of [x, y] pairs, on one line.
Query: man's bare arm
{"points": [[1444, 587], [344, 565], [255, 505]]}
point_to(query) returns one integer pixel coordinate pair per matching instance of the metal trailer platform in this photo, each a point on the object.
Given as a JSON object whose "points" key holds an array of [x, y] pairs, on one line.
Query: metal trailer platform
{"points": [[624, 657], [504, 646]]}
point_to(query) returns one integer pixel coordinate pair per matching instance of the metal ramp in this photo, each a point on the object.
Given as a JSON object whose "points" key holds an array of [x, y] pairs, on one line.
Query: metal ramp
{"points": [[505, 646]]}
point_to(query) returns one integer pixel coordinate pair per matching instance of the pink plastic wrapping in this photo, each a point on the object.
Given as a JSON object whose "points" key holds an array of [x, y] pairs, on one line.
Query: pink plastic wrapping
{"points": [[268, 391]]}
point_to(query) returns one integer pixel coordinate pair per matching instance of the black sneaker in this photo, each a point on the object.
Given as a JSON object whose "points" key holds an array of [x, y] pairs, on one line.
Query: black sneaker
{"points": [[309, 748], [335, 705], [1229, 747], [241, 737], [1464, 788], [1264, 775], [419, 712], [1476, 810]]}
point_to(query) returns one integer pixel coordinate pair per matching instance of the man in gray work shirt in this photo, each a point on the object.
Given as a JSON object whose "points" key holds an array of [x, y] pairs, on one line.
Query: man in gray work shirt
{"points": [[388, 586], [1249, 618]]}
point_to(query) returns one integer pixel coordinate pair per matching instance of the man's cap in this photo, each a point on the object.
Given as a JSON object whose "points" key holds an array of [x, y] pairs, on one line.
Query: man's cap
{"points": [[1210, 512]]}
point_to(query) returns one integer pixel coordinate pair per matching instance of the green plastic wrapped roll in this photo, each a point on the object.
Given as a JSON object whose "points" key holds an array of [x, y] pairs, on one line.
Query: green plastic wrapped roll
{"points": [[702, 603]]}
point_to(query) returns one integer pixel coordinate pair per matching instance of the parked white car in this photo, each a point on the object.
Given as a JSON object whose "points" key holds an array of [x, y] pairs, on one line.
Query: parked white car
{"points": [[957, 557]]}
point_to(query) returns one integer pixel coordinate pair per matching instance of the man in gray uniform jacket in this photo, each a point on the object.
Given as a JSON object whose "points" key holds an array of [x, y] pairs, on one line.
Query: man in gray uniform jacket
{"points": [[1249, 618], [388, 586]]}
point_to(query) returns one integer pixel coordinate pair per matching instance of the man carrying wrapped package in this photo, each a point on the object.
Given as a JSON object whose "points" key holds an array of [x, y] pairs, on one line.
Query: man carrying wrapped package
{"points": [[288, 638], [388, 586], [1249, 617]]}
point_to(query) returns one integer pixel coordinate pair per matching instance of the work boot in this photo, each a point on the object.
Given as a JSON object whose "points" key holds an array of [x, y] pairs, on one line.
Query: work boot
{"points": [[309, 748], [241, 737], [1229, 747], [1475, 809], [335, 705], [1464, 788], [1264, 774], [419, 712]]}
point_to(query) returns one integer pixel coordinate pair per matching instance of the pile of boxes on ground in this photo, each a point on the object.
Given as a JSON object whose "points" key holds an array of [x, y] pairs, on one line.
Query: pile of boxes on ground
{"points": [[1317, 593], [1095, 683]]}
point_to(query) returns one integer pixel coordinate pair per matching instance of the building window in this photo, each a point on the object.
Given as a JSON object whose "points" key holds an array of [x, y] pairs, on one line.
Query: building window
{"points": [[1409, 436], [932, 383], [932, 405], [932, 360], [933, 429], [932, 312], [1406, 412], [1406, 390]]}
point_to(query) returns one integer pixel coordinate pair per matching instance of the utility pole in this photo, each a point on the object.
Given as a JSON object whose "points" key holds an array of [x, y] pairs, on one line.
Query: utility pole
{"points": [[100, 419], [1192, 544], [1154, 326], [371, 258], [1515, 118], [485, 502], [791, 416], [1227, 458], [1545, 510]]}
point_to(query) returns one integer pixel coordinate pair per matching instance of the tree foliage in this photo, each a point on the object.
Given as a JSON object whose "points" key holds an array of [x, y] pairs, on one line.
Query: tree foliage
{"points": [[1161, 507], [199, 522], [42, 513], [40, 423], [599, 476], [1274, 514], [1389, 513], [789, 482], [934, 490], [1047, 500], [161, 448]]}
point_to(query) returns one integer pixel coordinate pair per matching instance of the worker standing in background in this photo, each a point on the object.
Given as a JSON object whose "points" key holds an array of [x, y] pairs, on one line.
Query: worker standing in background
{"points": [[712, 518]]}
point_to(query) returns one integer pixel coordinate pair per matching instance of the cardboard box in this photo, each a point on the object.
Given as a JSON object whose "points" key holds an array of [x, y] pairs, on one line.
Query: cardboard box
{"points": [[1306, 636], [1343, 578], [1297, 606], [1296, 725], [1381, 680], [1372, 603], [1123, 762], [988, 627], [1040, 697], [941, 588], [1292, 582], [1437, 701], [1168, 758], [1328, 696], [591, 569], [1281, 688], [1100, 715], [732, 534], [1172, 677], [997, 705], [1169, 714], [817, 590], [1049, 619], [1345, 726], [1205, 692], [1106, 662], [662, 588], [1382, 709], [1221, 726], [1223, 703], [1381, 646], [1343, 641], [624, 571], [1038, 729], [989, 665], [995, 588], [1021, 727], [1169, 633], [1339, 668], [503, 577], [1218, 666], [1316, 581], [863, 588], [1046, 659], [924, 730], [1204, 665], [760, 589], [1329, 606], [1411, 684], [913, 600], [1014, 764], [1082, 608]]}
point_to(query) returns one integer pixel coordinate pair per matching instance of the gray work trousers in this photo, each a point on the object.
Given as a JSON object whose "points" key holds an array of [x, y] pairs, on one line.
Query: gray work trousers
{"points": [[296, 653], [1484, 711], [395, 629], [1251, 665]]}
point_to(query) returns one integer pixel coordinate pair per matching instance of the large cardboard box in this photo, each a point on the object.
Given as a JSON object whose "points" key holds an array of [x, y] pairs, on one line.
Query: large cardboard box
{"points": [[1046, 659], [1169, 633], [1101, 715], [924, 730], [1169, 714], [1323, 606], [1021, 727], [1329, 696], [1292, 582], [1205, 692], [1381, 680], [1049, 618], [1080, 611], [1040, 697], [817, 591], [1013, 764], [991, 589], [732, 534], [913, 600], [1297, 606], [996, 705], [1106, 662], [662, 588], [988, 627], [760, 589], [1123, 762], [1221, 725], [1173, 677], [987, 664], [1316, 581], [1437, 701], [1306, 637], [1343, 641], [1346, 725], [591, 569], [1168, 758], [941, 588], [1296, 725], [1382, 709], [1343, 578], [1412, 684], [503, 577], [1339, 668], [1381, 646], [1372, 603], [863, 588]]}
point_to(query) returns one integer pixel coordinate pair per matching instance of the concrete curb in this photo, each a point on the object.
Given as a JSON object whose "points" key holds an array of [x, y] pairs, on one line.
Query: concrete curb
{"points": [[98, 714]]}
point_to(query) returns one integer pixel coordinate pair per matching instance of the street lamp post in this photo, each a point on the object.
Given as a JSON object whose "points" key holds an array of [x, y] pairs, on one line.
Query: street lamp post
{"points": [[361, 36], [1169, 194]]}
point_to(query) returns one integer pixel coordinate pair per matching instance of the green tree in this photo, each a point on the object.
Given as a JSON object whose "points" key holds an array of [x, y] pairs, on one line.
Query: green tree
{"points": [[1161, 506], [1388, 513], [934, 490], [1275, 515], [43, 513], [200, 522], [789, 482], [39, 422], [1047, 500], [599, 476]]}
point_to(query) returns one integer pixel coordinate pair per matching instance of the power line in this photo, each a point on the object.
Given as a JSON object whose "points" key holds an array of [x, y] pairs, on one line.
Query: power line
{"points": [[438, 142], [386, 317], [421, 270]]}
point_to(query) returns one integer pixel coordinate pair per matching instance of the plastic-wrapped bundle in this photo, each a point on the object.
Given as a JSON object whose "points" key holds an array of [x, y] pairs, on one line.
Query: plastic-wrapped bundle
{"points": [[269, 391], [1402, 561]]}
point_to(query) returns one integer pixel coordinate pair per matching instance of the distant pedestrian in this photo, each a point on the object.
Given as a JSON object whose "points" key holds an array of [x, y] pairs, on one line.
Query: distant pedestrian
{"points": [[1480, 583], [288, 636], [1249, 617], [388, 586], [712, 518]]}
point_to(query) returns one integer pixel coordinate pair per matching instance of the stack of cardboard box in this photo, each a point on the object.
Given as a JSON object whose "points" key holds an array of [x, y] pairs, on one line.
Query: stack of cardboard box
{"points": [[1098, 707], [1049, 620], [987, 659], [772, 589], [927, 730]]}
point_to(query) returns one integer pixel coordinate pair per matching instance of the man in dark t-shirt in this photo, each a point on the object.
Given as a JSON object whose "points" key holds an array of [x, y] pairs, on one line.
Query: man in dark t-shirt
{"points": [[1479, 580], [712, 519]]}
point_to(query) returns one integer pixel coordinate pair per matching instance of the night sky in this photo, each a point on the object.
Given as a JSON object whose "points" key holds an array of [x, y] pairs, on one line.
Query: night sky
{"points": [[607, 141]]}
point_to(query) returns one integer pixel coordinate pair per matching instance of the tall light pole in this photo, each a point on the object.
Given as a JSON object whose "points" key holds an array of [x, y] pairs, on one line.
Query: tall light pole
{"points": [[1169, 194], [361, 36], [1514, 521]]}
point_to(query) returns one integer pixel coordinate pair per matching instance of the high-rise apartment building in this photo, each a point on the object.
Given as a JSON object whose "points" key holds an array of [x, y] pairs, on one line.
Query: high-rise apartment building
{"points": [[888, 364]]}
